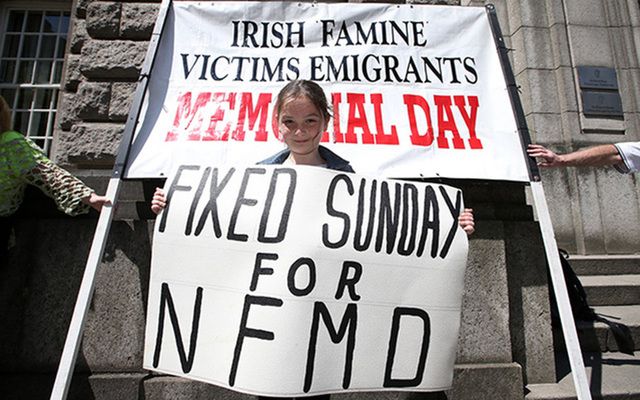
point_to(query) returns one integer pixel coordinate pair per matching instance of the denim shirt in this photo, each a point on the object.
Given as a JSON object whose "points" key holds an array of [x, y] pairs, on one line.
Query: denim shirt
{"points": [[333, 160]]}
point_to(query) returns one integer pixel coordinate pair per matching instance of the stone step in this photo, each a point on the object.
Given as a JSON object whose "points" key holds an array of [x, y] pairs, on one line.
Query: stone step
{"points": [[612, 290], [597, 336], [495, 381], [611, 376], [605, 264]]}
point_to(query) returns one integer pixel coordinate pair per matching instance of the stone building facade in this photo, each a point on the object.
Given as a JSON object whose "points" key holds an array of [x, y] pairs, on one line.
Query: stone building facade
{"points": [[506, 343]]}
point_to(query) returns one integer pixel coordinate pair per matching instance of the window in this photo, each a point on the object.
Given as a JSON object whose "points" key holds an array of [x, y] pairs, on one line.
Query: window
{"points": [[33, 42]]}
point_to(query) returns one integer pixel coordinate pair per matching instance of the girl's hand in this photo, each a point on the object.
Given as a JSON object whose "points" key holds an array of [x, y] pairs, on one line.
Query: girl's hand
{"points": [[159, 201], [466, 221]]}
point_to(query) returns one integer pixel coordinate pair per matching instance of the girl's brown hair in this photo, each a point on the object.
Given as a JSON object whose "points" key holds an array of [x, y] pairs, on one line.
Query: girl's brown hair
{"points": [[310, 90]]}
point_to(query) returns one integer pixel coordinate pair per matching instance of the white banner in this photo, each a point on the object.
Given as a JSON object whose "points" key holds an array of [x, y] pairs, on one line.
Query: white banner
{"points": [[416, 90], [296, 281]]}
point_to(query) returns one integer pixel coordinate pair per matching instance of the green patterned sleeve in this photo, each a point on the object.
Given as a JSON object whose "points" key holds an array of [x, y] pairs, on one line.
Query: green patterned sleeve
{"points": [[65, 189]]}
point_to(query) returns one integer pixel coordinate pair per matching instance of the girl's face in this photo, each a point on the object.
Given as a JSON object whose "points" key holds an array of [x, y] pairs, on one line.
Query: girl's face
{"points": [[301, 125]]}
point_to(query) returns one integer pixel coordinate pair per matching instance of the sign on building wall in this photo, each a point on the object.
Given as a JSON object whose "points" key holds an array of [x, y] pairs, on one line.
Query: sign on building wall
{"points": [[290, 281], [416, 90]]}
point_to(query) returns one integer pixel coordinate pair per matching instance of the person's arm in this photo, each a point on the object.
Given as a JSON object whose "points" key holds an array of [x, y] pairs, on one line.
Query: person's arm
{"points": [[95, 201], [597, 156], [71, 195]]}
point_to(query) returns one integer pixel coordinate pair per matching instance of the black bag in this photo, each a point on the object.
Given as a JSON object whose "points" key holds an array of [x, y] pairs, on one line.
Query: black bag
{"points": [[582, 311], [577, 295]]}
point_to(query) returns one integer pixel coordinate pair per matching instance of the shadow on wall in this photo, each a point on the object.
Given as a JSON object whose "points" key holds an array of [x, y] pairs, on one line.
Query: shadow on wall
{"points": [[38, 289]]}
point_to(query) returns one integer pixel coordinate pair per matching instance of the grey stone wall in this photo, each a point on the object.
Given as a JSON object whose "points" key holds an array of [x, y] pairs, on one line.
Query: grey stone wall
{"points": [[594, 211], [106, 48]]}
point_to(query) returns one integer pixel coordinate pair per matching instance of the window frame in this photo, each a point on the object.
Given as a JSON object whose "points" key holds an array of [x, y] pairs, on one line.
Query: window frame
{"points": [[48, 111]]}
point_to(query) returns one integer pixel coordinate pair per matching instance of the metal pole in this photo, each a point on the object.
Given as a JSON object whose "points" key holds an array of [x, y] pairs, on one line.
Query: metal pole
{"points": [[74, 335], [558, 283], [572, 343]]}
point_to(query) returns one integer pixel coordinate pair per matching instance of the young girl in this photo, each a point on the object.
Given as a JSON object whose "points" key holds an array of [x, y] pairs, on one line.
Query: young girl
{"points": [[303, 114]]}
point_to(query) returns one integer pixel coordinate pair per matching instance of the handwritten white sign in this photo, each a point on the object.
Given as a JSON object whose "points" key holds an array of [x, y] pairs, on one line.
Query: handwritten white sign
{"points": [[287, 281]]}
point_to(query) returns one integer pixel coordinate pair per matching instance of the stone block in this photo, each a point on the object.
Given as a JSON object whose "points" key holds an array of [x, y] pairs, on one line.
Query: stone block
{"points": [[562, 203], [90, 144], [580, 140], [67, 114], [539, 91], [602, 125], [502, 12], [585, 12], [618, 12], [589, 216], [103, 20], [527, 13], [116, 386], [570, 124], [121, 98], [547, 127], [560, 45], [530, 320], [138, 20], [78, 36], [172, 388], [619, 205], [624, 48], [92, 101], [634, 16], [566, 90], [632, 127], [81, 8], [555, 14], [628, 81], [112, 59], [470, 381], [517, 57], [72, 75], [487, 381], [532, 49], [591, 46], [632, 131], [522, 83], [484, 330], [114, 333]]}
